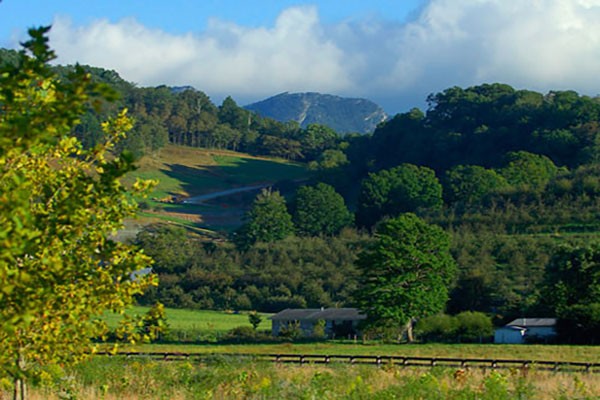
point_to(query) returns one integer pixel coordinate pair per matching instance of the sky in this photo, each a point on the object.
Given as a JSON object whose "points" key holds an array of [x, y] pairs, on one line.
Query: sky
{"points": [[393, 52]]}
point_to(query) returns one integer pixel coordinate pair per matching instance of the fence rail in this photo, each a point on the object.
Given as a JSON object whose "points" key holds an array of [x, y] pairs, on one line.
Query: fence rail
{"points": [[404, 361]]}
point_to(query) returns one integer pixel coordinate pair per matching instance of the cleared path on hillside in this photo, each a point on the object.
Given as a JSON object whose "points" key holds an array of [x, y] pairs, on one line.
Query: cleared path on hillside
{"points": [[210, 196]]}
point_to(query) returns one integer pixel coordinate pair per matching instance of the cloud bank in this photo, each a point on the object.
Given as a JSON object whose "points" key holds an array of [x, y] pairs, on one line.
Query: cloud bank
{"points": [[536, 44]]}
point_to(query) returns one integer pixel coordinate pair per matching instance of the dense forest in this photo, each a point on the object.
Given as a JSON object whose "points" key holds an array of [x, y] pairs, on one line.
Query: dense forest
{"points": [[513, 176]]}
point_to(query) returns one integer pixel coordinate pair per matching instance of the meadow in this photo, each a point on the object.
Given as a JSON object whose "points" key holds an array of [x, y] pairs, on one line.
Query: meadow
{"points": [[211, 325], [184, 172], [223, 375], [231, 378]]}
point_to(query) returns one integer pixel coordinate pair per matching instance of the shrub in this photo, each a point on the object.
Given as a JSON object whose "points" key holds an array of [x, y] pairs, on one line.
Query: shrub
{"points": [[437, 328], [473, 326], [467, 326], [241, 334]]}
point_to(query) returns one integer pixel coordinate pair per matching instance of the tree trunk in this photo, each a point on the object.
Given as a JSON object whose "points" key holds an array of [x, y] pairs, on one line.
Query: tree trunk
{"points": [[409, 331], [20, 387]]}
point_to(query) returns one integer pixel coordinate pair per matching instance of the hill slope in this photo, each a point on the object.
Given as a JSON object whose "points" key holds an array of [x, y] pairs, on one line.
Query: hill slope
{"points": [[185, 173], [344, 115]]}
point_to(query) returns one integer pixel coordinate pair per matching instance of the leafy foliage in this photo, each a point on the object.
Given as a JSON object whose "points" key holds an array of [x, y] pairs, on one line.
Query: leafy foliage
{"points": [[294, 272], [405, 188], [405, 273], [267, 221], [573, 291], [464, 327], [319, 210], [59, 204]]}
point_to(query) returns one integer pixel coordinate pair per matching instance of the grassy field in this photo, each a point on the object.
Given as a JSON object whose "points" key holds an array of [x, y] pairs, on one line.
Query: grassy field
{"points": [[218, 322], [184, 172], [197, 320], [231, 378], [520, 352], [221, 376]]}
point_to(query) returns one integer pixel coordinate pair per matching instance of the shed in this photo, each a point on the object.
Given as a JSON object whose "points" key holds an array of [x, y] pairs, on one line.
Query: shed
{"points": [[522, 330], [339, 322]]}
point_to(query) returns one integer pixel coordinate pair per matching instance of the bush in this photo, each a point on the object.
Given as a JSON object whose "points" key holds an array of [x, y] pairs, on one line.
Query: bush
{"points": [[291, 331], [437, 328], [467, 326], [474, 327], [241, 334]]}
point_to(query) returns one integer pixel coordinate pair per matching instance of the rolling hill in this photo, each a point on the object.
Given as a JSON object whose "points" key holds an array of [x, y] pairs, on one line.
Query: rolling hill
{"points": [[184, 173]]}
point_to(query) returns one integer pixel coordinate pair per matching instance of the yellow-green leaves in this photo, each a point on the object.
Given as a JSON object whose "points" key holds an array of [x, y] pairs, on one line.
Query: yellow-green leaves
{"points": [[59, 204]]}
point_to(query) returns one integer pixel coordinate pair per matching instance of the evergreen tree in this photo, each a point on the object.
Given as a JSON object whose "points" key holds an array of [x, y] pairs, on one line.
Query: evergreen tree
{"points": [[267, 221]]}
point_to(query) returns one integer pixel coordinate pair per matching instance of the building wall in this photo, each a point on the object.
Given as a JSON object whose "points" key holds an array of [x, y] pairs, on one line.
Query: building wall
{"points": [[508, 336], [541, 331]]}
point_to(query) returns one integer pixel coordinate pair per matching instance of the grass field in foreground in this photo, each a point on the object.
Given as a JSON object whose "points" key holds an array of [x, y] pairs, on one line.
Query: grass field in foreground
{"points": [[111, 378]]}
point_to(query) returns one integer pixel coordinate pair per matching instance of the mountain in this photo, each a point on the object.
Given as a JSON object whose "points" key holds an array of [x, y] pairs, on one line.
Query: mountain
{"points": [[344, 115]]}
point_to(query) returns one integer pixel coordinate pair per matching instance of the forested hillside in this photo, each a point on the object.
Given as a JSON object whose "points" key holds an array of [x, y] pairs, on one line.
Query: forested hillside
{"points": [[513, 176], [185, 116]]}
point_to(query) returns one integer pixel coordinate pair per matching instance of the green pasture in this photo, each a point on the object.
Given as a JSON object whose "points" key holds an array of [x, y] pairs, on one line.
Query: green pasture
{"points": [[196, 320], [519, 352], [216, 323], [192, 171]]}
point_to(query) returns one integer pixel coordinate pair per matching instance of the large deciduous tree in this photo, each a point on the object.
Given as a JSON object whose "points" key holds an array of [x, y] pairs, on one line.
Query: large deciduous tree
{"points": [[320, 210], [573, 293], [468, 184], [59, 205], [405, 188], [405, 273]]}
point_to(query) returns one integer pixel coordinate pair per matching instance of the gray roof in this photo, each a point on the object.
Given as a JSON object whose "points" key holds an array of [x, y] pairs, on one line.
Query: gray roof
{"points": [[533, 322], [313, 314]]}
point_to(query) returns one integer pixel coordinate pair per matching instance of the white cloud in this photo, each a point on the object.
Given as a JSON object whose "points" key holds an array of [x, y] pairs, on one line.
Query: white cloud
{"points": [[536, 44]]}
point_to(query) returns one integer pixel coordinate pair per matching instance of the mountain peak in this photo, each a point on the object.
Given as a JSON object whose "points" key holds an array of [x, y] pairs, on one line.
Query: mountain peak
{"points": [[342, 114]]}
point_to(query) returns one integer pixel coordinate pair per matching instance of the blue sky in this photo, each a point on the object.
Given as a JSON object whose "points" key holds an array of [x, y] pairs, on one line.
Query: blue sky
{"points": [[394, 52], [183, 16]]}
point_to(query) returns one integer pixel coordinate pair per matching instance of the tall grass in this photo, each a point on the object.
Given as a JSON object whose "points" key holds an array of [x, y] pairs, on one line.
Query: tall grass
{"points": [[231, 378]]}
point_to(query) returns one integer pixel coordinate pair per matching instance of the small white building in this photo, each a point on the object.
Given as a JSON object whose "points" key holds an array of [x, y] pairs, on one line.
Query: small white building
{"points": [[523, 330]]}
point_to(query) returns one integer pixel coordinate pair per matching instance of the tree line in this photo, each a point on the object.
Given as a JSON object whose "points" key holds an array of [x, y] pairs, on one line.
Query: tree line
{"points": [[186, 116]]}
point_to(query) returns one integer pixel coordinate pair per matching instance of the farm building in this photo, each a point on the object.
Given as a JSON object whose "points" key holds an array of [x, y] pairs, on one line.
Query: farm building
{"points": [[339, 322], [523, 330]]}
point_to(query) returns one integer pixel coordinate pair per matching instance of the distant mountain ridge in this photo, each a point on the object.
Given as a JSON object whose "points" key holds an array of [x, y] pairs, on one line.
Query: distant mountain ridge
{"points": [[344, 115]]}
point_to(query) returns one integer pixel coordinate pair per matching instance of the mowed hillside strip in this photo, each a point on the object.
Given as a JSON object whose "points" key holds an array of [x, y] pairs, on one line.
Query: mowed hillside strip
{"points": [[185, 172]]}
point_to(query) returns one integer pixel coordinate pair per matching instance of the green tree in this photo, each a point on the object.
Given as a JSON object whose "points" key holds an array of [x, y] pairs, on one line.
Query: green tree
{"points": [[255, 319], [154, 323], [405, 273], [527, 171], [573, 292], [267, 221], [320, 210], [59, 204], [468, 184], [404, 188]]}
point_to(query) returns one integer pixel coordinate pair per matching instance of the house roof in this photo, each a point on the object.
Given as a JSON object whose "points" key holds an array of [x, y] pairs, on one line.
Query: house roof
{"points": [[314, 314], [533, 322]]}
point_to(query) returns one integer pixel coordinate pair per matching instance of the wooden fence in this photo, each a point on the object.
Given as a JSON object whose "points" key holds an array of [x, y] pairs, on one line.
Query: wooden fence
{"points": [[403, 361]]}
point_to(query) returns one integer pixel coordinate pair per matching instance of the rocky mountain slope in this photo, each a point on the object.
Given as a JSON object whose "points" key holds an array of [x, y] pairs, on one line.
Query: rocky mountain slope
{"points": [[344, 115]]}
